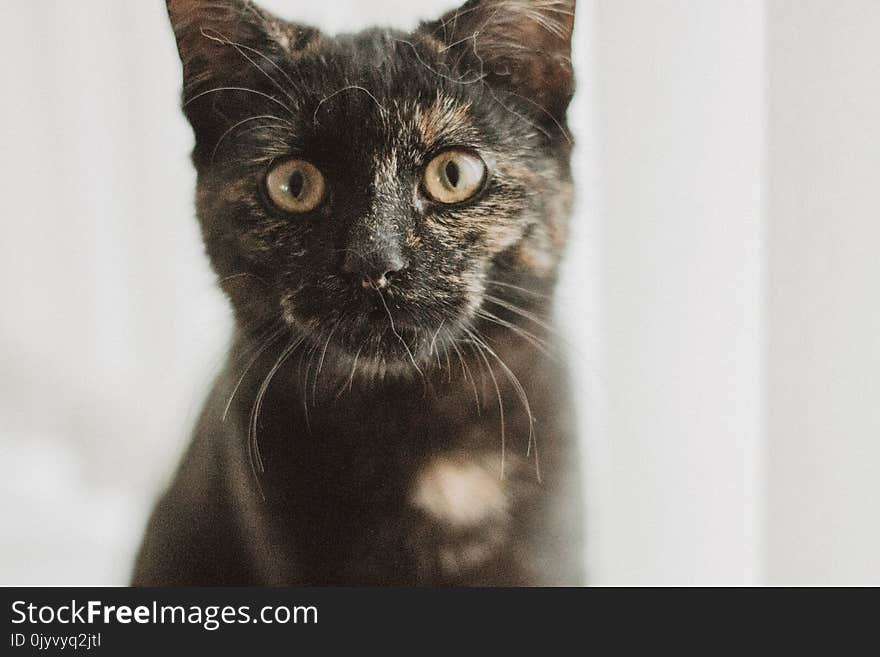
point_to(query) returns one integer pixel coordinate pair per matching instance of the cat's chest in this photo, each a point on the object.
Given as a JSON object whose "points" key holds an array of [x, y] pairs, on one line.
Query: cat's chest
{"points": [[418, 497], [445, 518], [466, 508], [460, 491]]}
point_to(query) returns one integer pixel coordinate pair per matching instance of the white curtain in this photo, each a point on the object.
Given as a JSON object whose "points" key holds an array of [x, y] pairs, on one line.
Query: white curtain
{"points": [[720, 294]]}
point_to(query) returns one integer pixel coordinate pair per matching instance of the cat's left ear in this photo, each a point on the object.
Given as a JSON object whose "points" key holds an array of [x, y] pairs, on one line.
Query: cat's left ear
{"points": [[220, 38], [522, 47], [231, 52]]}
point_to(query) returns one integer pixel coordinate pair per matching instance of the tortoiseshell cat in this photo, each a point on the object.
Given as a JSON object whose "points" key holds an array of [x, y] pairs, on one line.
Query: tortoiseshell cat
{"points": [[386, 212]]}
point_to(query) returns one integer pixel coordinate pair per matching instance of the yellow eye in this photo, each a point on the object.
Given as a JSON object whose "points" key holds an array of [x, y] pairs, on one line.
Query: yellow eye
{"points": [[454, 176], [295, 186]]}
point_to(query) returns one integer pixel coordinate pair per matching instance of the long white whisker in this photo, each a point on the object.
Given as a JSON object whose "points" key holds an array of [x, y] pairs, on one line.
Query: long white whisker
{"points": [[434, 343], [466, 373], [382, 110], [262, 349], [512, 307], [521, 393], [518, 288], [240, 47], [256, 457], [241, 123], [479, 349], [394, 330], [529, 337], [243, 89], [350, 382], [321, 360]]}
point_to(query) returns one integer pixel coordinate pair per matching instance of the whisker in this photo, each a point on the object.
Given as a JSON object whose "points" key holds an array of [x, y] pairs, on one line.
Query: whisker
{"points": [[520, 392], [479, 349], [241, 123], [316, 343], [522, 312], [257, 465], [304, 392], [531, 338], [524, 290], [460, 80], [382, 110], [275, 335], [432, 349], [394, 330], [348, 384], [466, 373], [562, 130], [240, 47], [242, 275], [321, 360], [215, 90]]}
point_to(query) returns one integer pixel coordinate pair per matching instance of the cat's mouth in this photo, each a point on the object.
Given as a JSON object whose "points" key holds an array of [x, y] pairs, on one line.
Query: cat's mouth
{"points": [[385, 335], [379, 346], [406, 329], [378, 338]]}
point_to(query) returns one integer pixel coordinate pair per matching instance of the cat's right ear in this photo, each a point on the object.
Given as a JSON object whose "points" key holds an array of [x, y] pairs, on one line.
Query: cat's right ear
{"points": [[520, 48], [231, 52]]}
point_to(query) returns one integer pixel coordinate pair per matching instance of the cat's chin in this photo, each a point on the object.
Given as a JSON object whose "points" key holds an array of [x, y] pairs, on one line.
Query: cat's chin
{"points": [[401, 352], [378, 368], [378, 350]]}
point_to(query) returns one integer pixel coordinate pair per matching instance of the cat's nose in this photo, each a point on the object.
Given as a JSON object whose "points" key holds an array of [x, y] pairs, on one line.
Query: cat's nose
{"points": [[376, 269]]}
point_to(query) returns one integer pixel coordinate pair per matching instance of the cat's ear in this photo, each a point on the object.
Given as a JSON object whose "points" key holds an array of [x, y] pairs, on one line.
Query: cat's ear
{"points": [[522, 47], [232, 53]]}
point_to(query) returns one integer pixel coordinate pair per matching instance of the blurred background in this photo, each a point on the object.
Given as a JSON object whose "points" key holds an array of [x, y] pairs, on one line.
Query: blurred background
{"points": [[720, 292]]}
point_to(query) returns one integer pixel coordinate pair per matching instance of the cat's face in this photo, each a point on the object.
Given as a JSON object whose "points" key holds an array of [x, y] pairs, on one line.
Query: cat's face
{"points": [[365, 190]]}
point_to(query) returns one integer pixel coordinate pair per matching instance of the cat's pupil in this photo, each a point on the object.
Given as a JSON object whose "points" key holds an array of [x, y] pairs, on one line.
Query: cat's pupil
{"points": [[296, 183], [452, 173]]}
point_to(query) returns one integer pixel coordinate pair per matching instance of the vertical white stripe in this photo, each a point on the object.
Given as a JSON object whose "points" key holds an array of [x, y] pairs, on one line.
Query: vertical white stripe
{"points": [[680, 105], [822, 518]]}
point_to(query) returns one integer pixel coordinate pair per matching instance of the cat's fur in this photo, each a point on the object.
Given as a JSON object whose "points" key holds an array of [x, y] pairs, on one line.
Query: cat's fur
{"points": [[416, 434]]}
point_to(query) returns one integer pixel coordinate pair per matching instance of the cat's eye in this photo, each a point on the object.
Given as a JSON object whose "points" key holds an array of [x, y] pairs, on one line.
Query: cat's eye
{"points": [[454, 176], [295, 186]]}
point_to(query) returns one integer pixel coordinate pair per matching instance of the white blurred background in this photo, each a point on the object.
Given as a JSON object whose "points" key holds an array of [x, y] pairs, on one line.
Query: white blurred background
{"points": [[721, 289]]}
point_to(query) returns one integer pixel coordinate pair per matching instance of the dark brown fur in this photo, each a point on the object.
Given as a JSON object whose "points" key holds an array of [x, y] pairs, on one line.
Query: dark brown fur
{"points": [[419, 434]]}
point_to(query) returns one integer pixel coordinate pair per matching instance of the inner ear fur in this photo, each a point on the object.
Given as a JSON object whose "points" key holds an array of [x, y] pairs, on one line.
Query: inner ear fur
{"points": [[520, 47], [231, 51]]}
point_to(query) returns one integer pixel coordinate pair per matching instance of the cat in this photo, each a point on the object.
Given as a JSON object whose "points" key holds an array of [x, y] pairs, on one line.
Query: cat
{"points": [[386, 213]]}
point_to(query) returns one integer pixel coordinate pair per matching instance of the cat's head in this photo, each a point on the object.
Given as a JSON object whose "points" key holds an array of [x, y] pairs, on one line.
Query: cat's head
{"points": [[366, 191]]}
